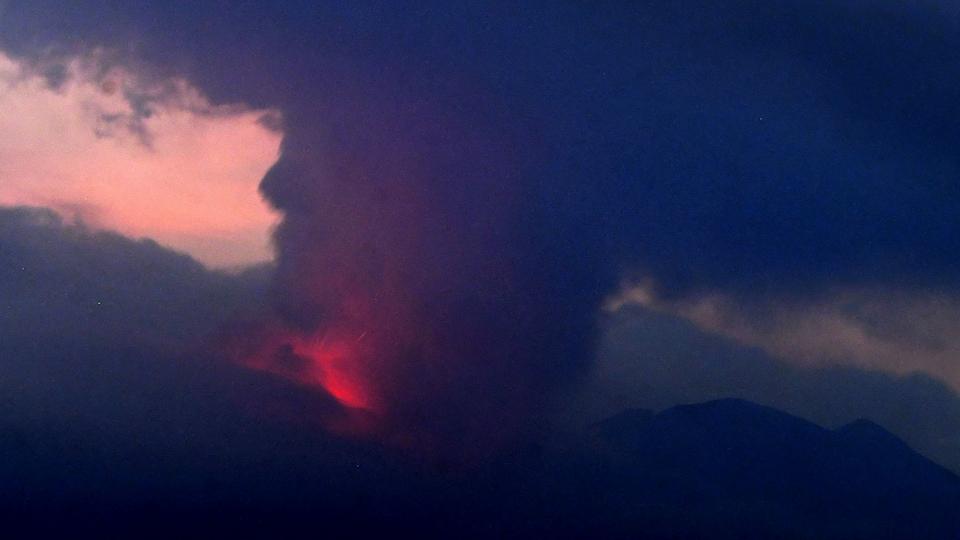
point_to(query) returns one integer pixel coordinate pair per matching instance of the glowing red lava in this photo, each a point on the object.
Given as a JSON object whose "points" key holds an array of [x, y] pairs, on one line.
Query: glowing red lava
{"points": [[331, 361], [333, 366]]}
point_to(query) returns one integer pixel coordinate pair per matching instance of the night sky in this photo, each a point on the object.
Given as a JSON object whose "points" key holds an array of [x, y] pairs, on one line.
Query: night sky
{"points": [[282, 256]]}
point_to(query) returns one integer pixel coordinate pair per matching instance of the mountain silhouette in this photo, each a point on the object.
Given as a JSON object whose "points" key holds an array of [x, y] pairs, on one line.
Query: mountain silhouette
{"points": [[721, 469], [732, 468]]}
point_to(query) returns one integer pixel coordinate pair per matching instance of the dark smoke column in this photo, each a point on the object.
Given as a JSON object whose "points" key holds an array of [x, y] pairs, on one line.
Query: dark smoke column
{"points": [[423, 243]]}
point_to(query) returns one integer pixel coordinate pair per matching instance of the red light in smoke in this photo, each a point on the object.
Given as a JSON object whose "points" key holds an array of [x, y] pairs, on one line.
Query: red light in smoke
{"points": [[333, 366], [333, 361]]}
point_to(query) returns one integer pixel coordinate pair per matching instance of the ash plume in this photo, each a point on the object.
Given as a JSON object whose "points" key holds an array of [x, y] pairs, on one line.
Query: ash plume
{"points": [[416, 240]]}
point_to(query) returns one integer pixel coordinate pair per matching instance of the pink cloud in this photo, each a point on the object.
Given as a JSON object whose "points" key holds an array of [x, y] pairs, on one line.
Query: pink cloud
{"points": [[146, 159]]}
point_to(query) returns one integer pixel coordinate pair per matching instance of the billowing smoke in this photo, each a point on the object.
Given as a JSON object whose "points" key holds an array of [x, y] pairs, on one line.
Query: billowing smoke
{"points": [[421, 280]]}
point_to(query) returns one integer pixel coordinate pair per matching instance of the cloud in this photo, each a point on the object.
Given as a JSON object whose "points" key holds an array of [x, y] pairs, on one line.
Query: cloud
{"points": [[896, 331], [146, 158], [66, 283]]}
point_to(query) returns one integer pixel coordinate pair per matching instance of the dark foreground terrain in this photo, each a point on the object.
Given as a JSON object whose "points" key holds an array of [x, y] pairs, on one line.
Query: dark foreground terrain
{"points": [[721, 469]]}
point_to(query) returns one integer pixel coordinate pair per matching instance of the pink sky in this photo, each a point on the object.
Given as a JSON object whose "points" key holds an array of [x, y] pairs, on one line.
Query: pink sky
{"points": [[186, 176]]}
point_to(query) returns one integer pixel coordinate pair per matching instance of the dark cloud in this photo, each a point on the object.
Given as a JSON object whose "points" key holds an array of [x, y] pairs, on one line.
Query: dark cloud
{"points": [[64, 282]]}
